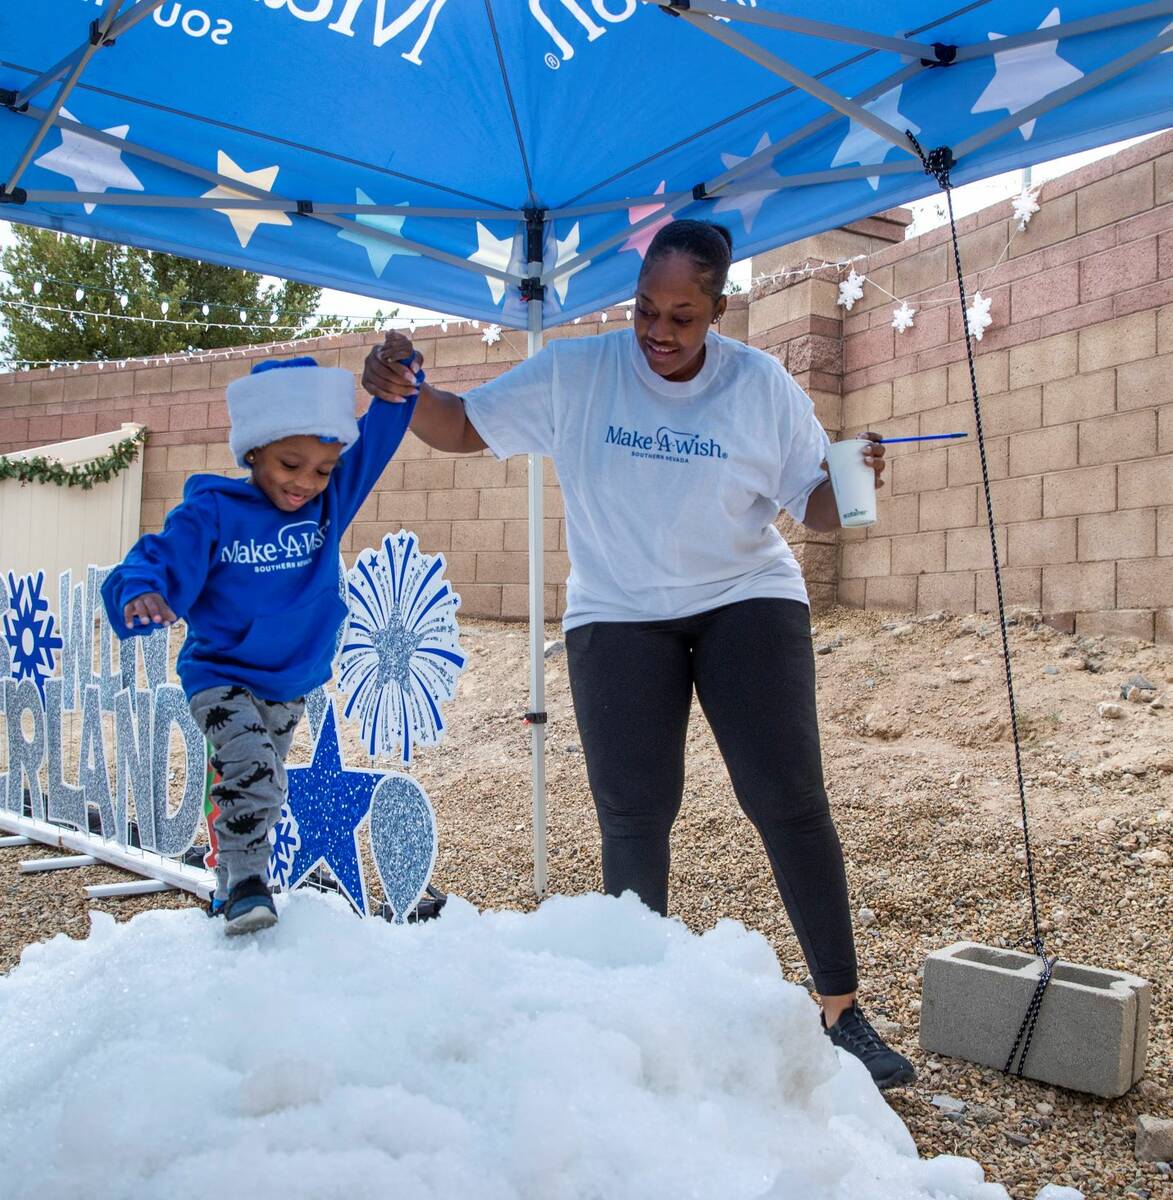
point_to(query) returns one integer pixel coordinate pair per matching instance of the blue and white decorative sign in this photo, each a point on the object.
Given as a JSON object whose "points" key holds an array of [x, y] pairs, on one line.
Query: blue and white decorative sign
{"points": [[403, 842], [399, 653], [29, 630], [400, 656], [325, 809]]}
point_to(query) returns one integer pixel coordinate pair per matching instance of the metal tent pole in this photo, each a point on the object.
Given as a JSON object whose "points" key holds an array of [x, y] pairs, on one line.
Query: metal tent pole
{"points": [[533, 293]]}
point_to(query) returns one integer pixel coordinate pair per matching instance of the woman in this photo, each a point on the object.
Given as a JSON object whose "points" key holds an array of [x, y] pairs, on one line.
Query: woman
{"points": [[676, 449]]}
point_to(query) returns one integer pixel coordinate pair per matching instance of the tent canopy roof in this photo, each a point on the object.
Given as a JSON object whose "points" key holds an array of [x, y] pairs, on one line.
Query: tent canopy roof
{"points": [[432, 151]]}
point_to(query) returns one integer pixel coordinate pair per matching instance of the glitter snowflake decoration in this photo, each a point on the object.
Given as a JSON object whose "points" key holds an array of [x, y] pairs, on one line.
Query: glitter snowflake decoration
{"points": [[286, 841], [1026, 204], [902, 317], [491, 335], [851, 290], [400, 656], [30, 630], [977, 316]]}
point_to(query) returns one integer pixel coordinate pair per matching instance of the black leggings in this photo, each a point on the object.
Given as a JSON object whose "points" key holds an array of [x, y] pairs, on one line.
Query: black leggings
{"points": [[753, 669]]}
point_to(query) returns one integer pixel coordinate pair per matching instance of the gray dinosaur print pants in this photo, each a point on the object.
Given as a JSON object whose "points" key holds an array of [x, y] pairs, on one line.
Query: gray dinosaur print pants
{"points": [[250, 738]]}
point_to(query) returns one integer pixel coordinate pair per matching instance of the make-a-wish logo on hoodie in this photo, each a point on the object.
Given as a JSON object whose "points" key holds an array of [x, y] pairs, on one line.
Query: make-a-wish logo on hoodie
{"points": [[296, 545], [670, 445]]}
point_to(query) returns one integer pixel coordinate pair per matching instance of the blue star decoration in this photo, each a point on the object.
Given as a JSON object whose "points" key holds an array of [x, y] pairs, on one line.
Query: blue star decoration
{"points": [[327, 804], [29, 630]]}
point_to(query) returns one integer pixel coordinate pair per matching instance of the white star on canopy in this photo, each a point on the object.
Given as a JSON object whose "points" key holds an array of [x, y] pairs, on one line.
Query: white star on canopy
{"points": [[863, 145], [245, 220], [378, 251], [748, 203], [1026, 74], [492, 252], [567, 248], [92, 165]]}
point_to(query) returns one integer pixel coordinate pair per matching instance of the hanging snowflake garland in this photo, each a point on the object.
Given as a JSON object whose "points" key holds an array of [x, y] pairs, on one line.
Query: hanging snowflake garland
{"points": [[902, 317], [851, 290], [400, 656], [1026, 204], [491, 335], [30, 630], [977, 316]]}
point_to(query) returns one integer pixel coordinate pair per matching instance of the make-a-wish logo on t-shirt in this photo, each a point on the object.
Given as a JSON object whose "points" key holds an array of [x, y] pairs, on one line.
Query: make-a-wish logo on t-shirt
{"points": [[295, 546], [669, 445]]}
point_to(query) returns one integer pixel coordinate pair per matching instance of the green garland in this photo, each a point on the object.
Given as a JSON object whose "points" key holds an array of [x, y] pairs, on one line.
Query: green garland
{"points": [[83, 475]]}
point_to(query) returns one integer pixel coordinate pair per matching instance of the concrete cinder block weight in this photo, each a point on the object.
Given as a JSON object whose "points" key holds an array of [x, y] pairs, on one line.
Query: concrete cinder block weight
{"points": [[1092, 1030]]}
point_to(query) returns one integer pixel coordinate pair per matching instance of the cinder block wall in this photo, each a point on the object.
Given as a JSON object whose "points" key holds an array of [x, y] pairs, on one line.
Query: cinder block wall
{"points": [[1077, 400], [1076, 378], [473, 509]]}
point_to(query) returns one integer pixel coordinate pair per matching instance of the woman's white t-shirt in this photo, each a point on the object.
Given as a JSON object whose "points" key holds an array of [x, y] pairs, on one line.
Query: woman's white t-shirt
{"points": [[671, 489]]}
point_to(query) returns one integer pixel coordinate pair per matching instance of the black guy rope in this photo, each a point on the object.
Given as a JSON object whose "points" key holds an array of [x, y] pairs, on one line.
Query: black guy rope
{"points": [[938, 163]]}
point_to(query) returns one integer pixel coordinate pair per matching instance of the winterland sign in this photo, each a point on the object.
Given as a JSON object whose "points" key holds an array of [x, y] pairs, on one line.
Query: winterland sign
{"points": [[126, 804]]}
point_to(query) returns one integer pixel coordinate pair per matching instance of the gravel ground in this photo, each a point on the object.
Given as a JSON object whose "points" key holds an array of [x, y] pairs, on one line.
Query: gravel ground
{"points": [[920, 771]]}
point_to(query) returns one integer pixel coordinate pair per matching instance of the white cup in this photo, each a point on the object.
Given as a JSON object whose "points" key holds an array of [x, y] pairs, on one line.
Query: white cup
{"points": [[853, 482]]}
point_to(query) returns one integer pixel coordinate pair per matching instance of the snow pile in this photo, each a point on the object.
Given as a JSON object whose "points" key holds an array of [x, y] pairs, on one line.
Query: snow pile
{"points": [[588, 1050]]}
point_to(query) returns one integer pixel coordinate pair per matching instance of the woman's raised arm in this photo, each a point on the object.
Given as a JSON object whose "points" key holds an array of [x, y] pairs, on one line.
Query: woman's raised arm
{"points": [[439, 418]]}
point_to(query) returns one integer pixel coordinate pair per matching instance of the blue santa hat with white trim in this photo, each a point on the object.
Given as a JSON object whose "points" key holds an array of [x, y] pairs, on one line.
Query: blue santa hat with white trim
{"points": [[272, 403]]}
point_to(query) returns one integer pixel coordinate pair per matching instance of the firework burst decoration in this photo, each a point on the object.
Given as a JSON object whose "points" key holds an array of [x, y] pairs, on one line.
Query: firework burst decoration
{"points": [[30, 630], [400, 656]]}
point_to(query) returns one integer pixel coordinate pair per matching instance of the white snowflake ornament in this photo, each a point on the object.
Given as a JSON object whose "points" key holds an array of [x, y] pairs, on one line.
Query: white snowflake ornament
{"points": [[902, 317], [977, 316], [491, 335], [851, 290], [1025, 206], [400, 656]]}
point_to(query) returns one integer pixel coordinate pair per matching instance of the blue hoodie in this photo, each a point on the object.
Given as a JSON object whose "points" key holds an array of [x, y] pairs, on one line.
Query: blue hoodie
{"points": [[258, 587]]}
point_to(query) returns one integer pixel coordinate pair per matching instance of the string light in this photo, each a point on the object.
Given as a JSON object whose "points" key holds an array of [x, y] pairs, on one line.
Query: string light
{"points": [[193, 355]]}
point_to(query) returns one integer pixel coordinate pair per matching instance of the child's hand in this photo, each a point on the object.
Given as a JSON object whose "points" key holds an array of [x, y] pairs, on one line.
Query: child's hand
{"points": [[149, 608], [384, 373]]}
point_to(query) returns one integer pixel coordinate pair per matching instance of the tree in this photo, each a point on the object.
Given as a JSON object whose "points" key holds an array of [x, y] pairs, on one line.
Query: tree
{"points": [[61, 264]]}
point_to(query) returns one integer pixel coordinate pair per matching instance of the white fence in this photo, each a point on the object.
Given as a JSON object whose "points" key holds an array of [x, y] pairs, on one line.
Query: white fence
{"points": [[50, 528]]}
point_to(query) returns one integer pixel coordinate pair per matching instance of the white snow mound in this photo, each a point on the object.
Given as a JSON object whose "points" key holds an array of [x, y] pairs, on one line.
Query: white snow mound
{"points": [[587, 1051]]}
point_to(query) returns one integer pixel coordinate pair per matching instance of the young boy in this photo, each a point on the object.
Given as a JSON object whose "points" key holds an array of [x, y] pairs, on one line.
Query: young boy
{"points": [[252, 566]]}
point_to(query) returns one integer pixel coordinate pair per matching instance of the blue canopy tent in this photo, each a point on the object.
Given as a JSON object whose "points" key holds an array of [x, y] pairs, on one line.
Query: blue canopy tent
{"points": [[509, 160]]}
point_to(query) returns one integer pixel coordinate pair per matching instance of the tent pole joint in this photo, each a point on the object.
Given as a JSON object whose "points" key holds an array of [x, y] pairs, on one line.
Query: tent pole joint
{"points": [[98, 35], [8, 97], [676, 7], [535, 234], [700, 192], [937, 162], [532, 287], [945, 55], [15, 196], [305, 208]]}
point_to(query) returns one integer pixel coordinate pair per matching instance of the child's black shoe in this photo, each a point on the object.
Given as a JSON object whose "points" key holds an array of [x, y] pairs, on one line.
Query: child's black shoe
{"points": [[249, 907], [854, 1033]]}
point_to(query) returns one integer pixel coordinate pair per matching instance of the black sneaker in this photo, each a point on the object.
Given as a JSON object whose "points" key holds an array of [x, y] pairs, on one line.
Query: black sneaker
{"points": [[853, 1033], [249, 907]]}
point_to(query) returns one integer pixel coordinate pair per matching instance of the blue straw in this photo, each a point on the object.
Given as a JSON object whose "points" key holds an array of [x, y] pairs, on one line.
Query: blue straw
{"points": [[925, 437]]}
